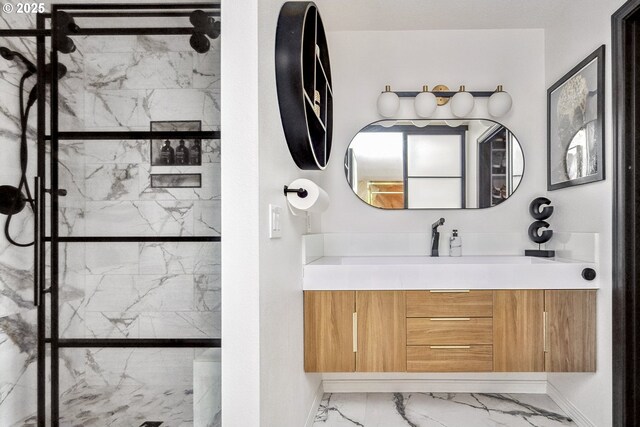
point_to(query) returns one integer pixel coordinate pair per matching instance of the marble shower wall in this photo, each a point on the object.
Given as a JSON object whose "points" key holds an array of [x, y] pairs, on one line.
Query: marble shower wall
{"points": [[128, 290]]}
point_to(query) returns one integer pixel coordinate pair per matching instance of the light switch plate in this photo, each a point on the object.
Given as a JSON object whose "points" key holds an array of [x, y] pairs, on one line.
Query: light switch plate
{"points": [[275, 225]]}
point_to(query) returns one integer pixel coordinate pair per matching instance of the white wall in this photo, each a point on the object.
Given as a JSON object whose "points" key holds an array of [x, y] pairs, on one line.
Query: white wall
{"points": [[568, 42], [240, 216], [364, 61], [286, 391]]}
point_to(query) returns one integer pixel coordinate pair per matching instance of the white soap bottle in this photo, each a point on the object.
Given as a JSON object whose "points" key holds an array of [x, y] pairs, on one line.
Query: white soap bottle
{"points": [[455, 244]]}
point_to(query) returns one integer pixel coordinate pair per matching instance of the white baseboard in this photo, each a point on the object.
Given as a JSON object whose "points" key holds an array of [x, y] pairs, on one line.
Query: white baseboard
{"points": [[569, 408], [314, 407], [434, 385]]}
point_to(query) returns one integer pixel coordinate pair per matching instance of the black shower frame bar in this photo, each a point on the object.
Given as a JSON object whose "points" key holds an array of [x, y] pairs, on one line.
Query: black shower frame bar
{"points": [[88, 10]]}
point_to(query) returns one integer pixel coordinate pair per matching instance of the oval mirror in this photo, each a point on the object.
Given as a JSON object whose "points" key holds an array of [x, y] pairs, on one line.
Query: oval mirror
{"points": [[434, 164]]}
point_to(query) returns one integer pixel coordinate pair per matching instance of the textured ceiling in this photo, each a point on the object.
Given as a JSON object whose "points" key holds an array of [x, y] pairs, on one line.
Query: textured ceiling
{"points": [[396, 15]]}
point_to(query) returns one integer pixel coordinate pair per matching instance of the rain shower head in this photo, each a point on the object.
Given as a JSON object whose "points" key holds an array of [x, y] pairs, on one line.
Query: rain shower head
{"points": [[203, 26], [11, 55]]}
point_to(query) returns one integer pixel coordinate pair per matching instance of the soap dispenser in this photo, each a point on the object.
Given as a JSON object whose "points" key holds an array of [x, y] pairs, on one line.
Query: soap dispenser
{"points": [[455, 244]]}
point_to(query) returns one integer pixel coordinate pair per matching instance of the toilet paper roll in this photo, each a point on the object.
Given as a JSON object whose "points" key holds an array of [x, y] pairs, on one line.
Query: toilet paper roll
{"points": [[317, 199]]}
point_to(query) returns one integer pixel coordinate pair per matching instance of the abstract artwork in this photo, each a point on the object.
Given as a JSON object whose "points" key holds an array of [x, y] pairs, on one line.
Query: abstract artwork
{"points": [[575, 125]]}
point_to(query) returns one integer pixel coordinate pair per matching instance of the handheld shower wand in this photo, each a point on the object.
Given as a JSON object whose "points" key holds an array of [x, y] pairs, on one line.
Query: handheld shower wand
{"points": [[12, 200]]}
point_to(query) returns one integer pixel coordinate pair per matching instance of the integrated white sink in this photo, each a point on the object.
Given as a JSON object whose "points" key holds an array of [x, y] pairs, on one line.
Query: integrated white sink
{"points": [[422, 272]]}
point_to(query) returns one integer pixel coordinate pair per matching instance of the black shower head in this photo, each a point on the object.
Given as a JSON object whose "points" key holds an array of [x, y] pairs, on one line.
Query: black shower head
{"points": [[66, 24], [200, 43], [203, 25], [48, 70], [6, 53], [11, 55], [11, 200]]}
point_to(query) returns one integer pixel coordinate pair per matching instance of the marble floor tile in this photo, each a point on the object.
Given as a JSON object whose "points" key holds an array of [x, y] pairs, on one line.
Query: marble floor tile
{"points": [[439, 410]]}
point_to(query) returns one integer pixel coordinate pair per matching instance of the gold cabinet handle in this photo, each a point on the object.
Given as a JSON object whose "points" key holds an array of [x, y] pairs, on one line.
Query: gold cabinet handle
{"points": [[355, 332], [448, 347], [448, 291], [545, 318], [450, 319]]}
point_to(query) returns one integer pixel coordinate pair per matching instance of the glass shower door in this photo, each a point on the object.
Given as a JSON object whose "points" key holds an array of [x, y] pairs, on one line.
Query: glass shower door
{"points": [[133, 290]]}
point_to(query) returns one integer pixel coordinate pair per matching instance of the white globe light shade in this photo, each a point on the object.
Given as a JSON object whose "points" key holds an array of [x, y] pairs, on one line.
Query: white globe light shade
{"points": [[500, 104], [462, 104], [425, 104], [388, 104]]}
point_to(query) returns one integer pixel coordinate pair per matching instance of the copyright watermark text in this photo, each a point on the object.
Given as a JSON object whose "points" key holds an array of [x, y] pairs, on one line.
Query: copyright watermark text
{"points": [[23, 8]]}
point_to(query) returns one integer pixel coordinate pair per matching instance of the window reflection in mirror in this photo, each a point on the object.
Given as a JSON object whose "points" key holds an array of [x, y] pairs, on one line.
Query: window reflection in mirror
{"points": [[453, 164]]}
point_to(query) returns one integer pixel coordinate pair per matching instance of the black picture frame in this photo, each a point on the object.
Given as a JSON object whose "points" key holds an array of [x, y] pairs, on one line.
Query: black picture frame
{"points": [[176, 180], [174, 125], [575, 125]]}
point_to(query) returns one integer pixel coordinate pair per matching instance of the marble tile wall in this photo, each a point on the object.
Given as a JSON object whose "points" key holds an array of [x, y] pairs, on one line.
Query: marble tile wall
{"points": [[133, 290]]}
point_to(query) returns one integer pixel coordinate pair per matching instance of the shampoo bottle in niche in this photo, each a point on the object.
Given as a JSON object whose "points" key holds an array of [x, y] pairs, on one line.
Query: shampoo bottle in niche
{"points": [[167, 155], [182, 154], [455, 244], [194, 153]]}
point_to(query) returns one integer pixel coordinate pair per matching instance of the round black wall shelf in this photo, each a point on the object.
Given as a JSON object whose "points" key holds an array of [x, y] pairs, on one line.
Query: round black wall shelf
{"points": [[303, 79]]}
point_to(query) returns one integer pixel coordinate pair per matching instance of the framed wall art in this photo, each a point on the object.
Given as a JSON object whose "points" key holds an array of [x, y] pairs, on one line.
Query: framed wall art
{"points": [[575, 125]]}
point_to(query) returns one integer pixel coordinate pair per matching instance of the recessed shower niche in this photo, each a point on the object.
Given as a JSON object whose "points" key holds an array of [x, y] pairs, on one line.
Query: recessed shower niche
{"points": [[130, 278]]}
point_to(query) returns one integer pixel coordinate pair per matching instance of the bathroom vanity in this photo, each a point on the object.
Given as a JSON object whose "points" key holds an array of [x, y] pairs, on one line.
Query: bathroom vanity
{"points": [[469, 314]]}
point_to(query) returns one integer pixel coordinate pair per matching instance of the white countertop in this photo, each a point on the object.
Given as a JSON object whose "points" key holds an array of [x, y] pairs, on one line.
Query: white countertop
{"points": [[467, 272]]}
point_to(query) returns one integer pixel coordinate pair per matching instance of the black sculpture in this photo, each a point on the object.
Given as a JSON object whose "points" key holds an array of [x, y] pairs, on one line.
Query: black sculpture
{"points": [[540, 214]]}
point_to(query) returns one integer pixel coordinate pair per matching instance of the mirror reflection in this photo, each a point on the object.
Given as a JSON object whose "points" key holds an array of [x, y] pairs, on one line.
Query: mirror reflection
{"points": [[429, 164], [582, 153]]}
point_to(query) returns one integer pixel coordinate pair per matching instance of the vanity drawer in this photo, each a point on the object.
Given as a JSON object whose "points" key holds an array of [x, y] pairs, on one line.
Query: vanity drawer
{"points": [[442, 331], [450, 304], [470, 358]]}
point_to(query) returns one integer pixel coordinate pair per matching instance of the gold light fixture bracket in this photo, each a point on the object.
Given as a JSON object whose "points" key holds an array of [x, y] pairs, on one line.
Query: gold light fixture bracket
{"points": [[441, 99]]}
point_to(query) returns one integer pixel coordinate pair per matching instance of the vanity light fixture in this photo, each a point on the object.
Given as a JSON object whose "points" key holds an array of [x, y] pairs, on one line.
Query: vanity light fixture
{"points": [[462, 103], [388, 103], [425, 103], [499, 103]]}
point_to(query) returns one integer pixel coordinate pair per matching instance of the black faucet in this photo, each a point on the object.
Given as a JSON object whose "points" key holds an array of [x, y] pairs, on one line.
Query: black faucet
{"points": [[435, 236]]}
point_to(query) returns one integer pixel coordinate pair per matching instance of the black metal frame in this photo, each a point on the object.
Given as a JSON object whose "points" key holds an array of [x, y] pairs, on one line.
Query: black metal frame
{"points": [[89, 10], [437, 130], [626, 199], [599, 55]]}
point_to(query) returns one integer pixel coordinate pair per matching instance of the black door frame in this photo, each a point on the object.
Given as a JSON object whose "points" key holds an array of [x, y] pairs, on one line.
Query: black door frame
{"points": [[626, 199]]}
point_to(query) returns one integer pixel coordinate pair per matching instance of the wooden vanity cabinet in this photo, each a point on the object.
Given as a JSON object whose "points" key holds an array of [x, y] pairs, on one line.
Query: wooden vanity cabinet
{"points": [[550, 330], [570, 330], [381, 331], [328, 331], [450, 331], [349, 331], [518, 331]]}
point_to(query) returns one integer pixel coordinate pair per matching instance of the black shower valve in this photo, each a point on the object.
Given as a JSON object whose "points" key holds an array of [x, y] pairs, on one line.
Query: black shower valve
{"points": [[60, 192]]}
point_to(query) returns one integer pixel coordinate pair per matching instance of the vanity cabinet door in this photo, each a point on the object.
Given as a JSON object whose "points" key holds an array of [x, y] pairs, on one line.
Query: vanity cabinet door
{"points": [[382, 333], [518, 331], [570, 330], [328, 331]]}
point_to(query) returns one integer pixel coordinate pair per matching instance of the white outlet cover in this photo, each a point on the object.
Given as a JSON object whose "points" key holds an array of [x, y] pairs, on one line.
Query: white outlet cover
{"points": [[275, 224]]}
